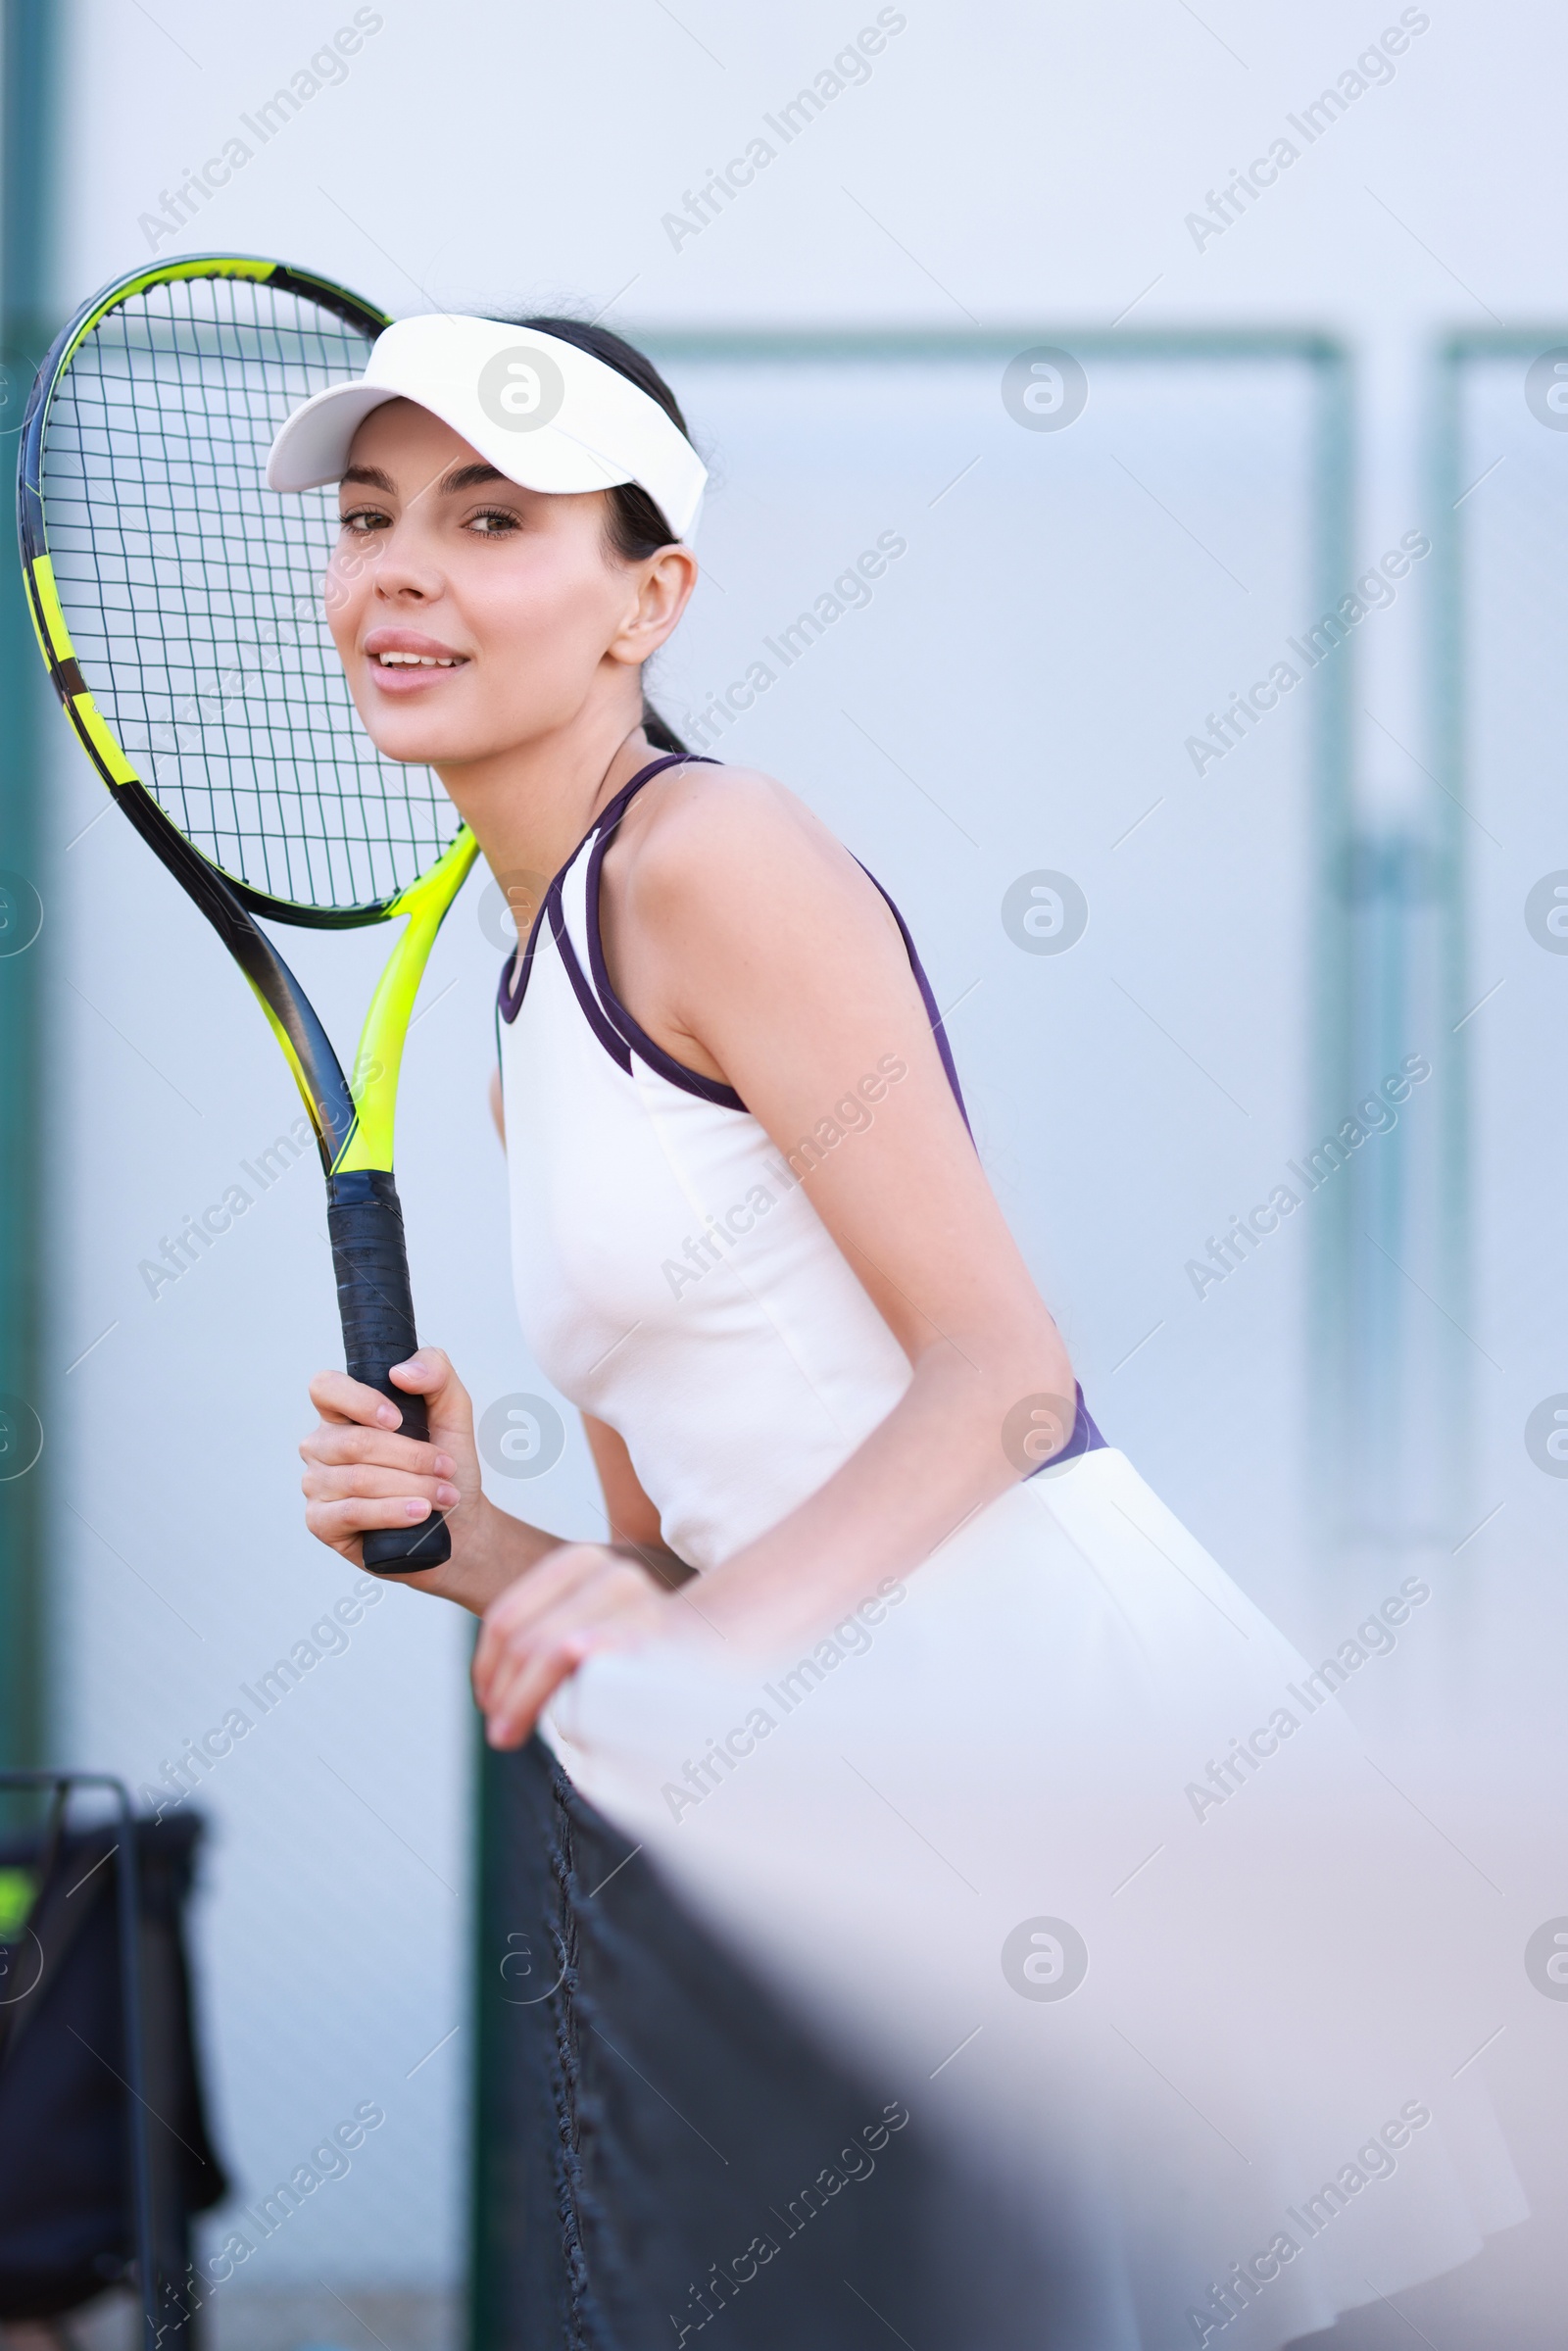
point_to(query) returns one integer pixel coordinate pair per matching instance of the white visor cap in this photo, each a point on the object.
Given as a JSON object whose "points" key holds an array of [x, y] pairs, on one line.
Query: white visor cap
{"points": [[543, 412]]}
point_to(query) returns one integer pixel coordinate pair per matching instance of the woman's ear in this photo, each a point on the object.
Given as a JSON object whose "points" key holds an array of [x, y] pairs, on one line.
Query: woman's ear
{"points": [[664, 588]]}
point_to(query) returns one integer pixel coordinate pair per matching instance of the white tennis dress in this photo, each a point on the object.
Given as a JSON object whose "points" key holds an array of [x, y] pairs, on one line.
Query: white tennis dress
{"points": [[1057, 1835]]}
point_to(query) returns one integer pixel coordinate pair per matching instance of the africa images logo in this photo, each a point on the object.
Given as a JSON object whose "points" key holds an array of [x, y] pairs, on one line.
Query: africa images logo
{"points": [[522, 389], [522, 1436], [1045, 1959], [1044, 389]]}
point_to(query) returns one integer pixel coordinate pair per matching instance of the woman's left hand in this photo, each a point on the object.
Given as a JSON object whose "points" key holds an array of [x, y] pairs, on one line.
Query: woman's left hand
{"points": [[578, 1599]]}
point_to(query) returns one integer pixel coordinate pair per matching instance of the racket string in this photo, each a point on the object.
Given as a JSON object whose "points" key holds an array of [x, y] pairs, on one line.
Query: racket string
{"points": [[193, 593]]}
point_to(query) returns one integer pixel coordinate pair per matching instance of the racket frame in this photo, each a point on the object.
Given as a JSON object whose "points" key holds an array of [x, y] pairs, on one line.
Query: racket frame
{"points": [[353, 1120]]}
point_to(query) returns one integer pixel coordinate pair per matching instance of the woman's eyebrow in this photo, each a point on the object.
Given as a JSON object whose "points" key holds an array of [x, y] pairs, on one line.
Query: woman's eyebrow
{"points": [[468, 478], [461, 478]]}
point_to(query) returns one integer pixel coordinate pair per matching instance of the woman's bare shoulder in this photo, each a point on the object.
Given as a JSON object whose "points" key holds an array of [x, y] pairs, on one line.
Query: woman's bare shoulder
{"points": [[710, 796], [712, 830]]}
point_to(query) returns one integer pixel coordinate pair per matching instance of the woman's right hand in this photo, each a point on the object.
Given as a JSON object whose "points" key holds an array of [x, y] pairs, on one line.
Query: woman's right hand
{"points": [[361, 1473]]}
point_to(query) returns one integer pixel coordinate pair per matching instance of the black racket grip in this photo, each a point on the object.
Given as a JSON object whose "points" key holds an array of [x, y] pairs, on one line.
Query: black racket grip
{"points": [[372, 1262]]}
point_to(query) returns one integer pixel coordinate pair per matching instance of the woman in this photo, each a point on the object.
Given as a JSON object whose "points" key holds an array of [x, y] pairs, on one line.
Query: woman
{"points": [[903, 1679]]}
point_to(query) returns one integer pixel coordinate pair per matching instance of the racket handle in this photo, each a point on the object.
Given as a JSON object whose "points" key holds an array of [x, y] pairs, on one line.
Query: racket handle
{"points": [[371, 1264]]}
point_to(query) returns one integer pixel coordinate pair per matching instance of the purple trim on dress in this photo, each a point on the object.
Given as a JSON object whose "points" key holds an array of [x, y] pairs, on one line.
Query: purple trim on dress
{"points": [[509, 1001], [1085, 1438], [646, 1048], [938, 1030], [593, 1012], [623, 799]]}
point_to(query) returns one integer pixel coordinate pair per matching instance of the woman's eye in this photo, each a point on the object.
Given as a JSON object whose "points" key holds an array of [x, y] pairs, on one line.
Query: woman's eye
{"points": [[361, 520], [492, 522]]}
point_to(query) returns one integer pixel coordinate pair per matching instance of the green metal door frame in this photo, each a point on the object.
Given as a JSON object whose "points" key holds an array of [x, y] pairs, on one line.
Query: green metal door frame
{"points": [[26, 212], [1452, 803]]}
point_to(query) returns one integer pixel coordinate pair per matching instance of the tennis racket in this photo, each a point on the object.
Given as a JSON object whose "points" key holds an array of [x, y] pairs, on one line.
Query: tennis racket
{"points": [[179, 606]]}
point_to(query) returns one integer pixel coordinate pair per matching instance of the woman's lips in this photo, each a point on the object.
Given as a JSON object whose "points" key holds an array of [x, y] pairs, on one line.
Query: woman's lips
{"points": [[411, 666]]}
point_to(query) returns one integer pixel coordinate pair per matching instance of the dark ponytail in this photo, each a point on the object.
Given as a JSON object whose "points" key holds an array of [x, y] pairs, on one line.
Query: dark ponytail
{"points": [[637, 528]]}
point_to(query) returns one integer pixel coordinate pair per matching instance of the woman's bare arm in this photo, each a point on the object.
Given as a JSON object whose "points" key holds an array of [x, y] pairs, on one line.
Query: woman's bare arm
{"points": [[749, 942]]}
